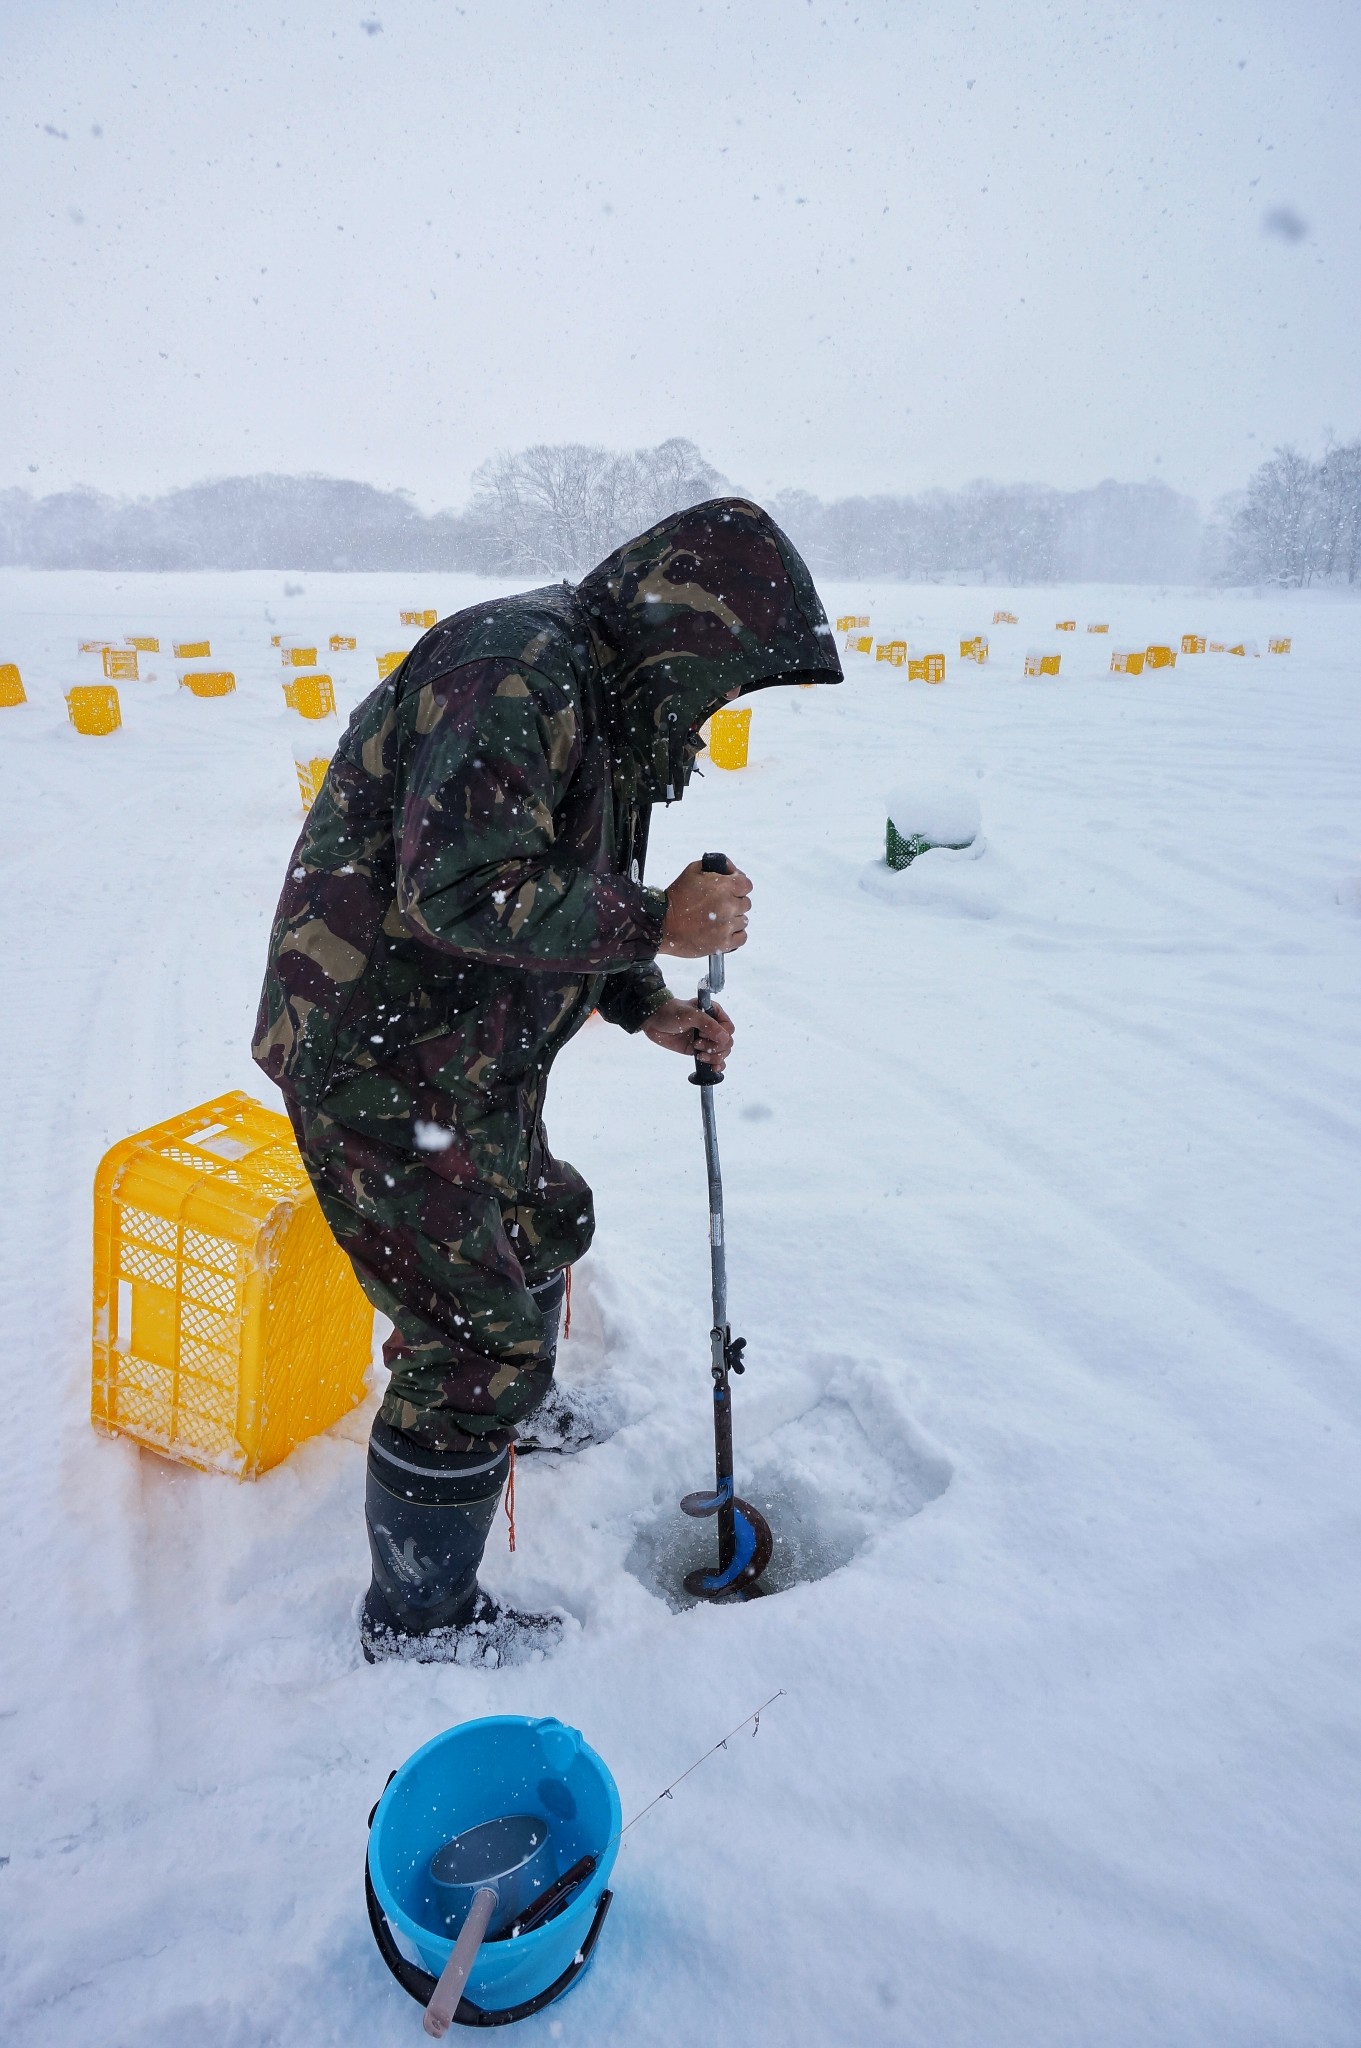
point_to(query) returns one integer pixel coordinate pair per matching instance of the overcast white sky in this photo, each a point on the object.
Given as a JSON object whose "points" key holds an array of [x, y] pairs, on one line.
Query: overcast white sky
{"points": [[843, 246]]}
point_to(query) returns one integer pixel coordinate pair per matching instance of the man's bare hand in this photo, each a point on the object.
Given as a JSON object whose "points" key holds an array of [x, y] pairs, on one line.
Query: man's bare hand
{"points": [[706, 913], [685, 1028]]}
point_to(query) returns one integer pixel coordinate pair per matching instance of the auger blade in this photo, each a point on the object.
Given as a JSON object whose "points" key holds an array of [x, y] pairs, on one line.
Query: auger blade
{"points": [[752, 1551], [700, 1504]]}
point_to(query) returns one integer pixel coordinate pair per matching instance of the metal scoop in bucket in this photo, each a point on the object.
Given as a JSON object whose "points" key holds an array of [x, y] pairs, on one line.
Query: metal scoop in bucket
{"points": [[510, 1856]]}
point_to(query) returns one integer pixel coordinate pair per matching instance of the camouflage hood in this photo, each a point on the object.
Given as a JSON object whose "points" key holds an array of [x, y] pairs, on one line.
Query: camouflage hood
{"points": [[710, 601]]}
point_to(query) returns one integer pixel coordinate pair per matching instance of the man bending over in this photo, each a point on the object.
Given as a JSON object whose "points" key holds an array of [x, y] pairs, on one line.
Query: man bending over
{"points": [[468, 887]]}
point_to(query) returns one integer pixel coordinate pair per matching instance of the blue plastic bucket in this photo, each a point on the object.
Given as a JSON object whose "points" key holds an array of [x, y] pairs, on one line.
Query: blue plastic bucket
{"points": [[477, 1772]]}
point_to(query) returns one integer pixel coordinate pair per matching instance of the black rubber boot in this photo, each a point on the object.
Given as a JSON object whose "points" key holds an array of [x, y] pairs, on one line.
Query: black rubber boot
{"points": [[428, 1515], [558, 1421]]}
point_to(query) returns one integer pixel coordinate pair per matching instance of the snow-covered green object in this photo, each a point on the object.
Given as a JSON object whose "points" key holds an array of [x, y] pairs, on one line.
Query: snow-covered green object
{"points": [[923, 815]]}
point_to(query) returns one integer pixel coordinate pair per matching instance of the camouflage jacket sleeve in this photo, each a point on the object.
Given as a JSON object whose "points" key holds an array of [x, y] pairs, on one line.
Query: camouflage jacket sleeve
{"points": [[485, 865], [630, 997]]}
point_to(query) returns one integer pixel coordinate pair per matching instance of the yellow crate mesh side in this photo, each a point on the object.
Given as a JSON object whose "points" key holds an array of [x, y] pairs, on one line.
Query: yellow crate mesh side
{"points": [[171, 1370]]}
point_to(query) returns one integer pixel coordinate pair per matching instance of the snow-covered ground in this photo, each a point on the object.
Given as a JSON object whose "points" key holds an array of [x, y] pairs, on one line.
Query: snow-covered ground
{"points": [[1042, 1186]]}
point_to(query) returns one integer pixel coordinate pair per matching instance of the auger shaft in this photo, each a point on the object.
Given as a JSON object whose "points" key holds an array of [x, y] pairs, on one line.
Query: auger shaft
{"points": [[744, 1539], [718, 1275]]}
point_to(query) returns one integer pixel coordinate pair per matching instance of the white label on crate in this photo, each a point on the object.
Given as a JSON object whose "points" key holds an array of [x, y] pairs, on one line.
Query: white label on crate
{"points": [[216, 1140], [123, 1339]]}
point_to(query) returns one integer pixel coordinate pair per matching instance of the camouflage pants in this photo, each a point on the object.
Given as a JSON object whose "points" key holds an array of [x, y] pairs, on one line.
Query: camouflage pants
{"points": [[446, 1246]]}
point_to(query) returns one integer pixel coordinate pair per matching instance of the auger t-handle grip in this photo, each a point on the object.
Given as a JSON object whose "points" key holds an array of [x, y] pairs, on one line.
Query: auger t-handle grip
{"points": [[704, 1075]]}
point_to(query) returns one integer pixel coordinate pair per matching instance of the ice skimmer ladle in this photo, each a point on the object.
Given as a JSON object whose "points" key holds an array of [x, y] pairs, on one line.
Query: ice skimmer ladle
{"points": [[501, 1866]]}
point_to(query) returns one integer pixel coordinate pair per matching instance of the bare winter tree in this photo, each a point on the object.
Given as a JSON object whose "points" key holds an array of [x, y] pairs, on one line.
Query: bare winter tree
{"points": [[666, 479], [1339, 492], [1277, 533], [546, 505], [558, 509]]}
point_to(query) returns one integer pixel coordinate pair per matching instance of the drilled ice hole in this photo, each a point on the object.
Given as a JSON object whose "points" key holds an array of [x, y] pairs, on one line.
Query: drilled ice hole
{"points": [[825, 1488]]}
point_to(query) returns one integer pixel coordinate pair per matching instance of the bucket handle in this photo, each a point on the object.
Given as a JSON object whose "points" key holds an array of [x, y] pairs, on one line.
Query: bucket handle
{"points": [[420, 1985]]}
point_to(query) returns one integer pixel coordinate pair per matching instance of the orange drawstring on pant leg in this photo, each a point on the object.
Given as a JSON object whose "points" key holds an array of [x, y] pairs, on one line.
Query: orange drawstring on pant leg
{"points": [[567, 1324], [510, 1498]]}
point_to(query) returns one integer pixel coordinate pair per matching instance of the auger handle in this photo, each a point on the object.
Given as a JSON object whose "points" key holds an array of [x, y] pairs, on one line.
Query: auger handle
{"points": [[704, 1075]]}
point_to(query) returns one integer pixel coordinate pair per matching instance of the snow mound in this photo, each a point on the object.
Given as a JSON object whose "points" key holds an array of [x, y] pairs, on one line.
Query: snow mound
{"points": [[954, 881], [946, 814]]}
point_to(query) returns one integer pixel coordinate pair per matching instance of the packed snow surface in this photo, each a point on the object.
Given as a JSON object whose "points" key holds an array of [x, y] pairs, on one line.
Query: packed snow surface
{"points": [[1042, 1195]]}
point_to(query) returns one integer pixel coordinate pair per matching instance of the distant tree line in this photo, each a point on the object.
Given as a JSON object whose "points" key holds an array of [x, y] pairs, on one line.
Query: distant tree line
{"points": [[239, 522], [550, 510], [1001, 533], [556, 508]]}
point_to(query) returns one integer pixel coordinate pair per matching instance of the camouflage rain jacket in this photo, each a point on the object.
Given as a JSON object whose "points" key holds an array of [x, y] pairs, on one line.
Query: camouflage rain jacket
{"points": [[468, 884]]}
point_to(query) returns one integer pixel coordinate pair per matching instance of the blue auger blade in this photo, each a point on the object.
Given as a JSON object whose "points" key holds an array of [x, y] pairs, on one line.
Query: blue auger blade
{"points": [[744, 1553], [699, 1504]]}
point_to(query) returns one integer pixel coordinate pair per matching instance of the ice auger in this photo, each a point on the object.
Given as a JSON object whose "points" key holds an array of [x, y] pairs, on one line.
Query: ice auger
{"points": [[744, 1539]]}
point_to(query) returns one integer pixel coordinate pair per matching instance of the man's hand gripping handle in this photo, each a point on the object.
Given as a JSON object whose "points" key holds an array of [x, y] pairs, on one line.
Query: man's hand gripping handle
{"points": [[706, 1076]]}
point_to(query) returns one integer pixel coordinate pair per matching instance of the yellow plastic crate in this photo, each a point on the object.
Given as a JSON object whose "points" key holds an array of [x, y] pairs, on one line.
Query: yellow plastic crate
{"points": [[120, 664], [1278, 646], [1065, 625], [204, 682], [926, 668], [859, 643], [849, 622], [311, 696], [388, 662], [893, 651], [311, 775], [424, 619], [228, 1324], [1103, 628], [11, 685], [94, 646], [1216, 647], [144, 643], [193, 650], [342, 643], [975, 649], [729, 736], [93, 708], [1004, 619], [1127, 661], [1160, 657], [1037, 664], [297, 656], [1193, 643]]}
